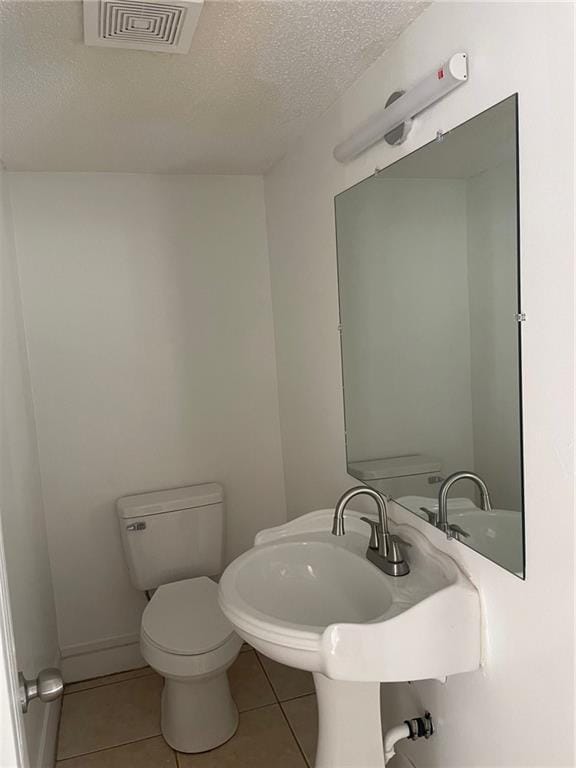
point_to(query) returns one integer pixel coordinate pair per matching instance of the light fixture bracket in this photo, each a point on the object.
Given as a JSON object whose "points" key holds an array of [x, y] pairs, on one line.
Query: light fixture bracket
{"points": [[399, 134], [402, 107]]}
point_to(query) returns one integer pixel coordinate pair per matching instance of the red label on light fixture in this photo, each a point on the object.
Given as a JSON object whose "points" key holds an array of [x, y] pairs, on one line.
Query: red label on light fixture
{"points": [[440, 74]]}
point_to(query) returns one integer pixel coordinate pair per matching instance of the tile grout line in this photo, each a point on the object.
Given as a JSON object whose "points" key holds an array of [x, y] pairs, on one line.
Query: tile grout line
{"points": [[283, 713], [299, 696], [258, 706], [106, 685], [145, 668], [108, 749], [270, 683], [290, 698], [292, 731]]}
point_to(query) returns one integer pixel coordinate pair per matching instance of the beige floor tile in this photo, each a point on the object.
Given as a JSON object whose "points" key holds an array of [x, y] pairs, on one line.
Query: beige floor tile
{"points": [[263, 740], [96, 682], [302, 715], [110, 715], [287, 681], [151, 753], [248, 683]]}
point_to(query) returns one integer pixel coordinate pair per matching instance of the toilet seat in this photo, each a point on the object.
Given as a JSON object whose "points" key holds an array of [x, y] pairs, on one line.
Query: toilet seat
{"points": [[184, 634], [184, 618]]}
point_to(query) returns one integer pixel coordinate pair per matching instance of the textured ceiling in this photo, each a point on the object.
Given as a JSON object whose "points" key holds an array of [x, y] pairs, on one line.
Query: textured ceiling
{"points": [[258, 72]]}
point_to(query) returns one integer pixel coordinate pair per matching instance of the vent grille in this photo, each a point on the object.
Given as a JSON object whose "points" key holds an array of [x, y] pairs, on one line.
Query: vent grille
{"points": [[146, 25]]}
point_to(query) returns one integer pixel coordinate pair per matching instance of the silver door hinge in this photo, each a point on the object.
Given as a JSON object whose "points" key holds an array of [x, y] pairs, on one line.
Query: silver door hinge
{"points": [[520, 317]]}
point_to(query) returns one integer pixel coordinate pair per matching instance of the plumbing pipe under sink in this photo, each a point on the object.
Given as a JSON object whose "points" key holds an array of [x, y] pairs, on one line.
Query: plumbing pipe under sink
{"points": [[413, 729], [395, 734]]}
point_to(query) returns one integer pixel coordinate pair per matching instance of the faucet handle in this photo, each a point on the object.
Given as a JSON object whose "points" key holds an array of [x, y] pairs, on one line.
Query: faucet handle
{"points": [[394, 551], [396, 565], [375, 532], [432, 516], [454, 528], [400, 540]]}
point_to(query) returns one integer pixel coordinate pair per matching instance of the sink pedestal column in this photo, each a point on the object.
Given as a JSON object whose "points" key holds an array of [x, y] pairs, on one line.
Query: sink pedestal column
{"points": [[349, 725]]}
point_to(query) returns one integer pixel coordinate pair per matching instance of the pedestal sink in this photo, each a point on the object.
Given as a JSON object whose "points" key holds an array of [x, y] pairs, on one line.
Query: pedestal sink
{"points": [[313, 601]]}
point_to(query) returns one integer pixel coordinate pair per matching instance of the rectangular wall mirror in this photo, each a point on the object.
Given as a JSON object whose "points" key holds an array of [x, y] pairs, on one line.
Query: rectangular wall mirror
{"points": [[428, 275]]}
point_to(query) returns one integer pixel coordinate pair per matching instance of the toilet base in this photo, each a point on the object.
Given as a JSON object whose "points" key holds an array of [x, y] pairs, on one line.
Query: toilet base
{"points": [[198, 714]]}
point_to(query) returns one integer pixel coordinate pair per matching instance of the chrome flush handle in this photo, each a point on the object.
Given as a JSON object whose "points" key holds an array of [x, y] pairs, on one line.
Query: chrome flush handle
{"points": [[139, 526]]}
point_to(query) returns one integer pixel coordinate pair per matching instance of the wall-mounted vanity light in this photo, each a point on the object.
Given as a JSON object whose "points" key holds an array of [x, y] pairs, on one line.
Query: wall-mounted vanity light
{"points": [[393, 122]]}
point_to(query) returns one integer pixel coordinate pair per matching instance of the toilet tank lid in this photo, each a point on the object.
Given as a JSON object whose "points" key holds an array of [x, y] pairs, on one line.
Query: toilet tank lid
{"points": [[394, 466], [154, 503]]}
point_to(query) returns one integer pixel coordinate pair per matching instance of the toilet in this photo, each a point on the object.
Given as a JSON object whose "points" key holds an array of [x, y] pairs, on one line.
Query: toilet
{"points": [[173, 542]]}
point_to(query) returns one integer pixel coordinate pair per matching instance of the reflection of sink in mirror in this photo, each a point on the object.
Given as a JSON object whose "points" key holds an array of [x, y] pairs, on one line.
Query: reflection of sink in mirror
{"points": [[497, 534]]}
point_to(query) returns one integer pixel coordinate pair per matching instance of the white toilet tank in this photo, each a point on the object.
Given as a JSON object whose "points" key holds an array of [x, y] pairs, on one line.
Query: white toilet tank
{"points": [[172, 535]]}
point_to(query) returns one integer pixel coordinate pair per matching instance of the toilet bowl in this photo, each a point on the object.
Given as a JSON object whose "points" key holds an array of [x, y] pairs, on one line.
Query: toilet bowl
{"points": [[174, 541], [186, 638]]}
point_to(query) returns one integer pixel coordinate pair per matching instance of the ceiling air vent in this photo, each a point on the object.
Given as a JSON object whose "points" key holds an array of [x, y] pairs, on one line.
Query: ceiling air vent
{"points": [[165, 26]]}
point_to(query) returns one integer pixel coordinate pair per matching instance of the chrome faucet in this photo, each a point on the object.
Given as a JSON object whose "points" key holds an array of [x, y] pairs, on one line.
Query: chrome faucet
{"points": [[442, 521], [383, 548]]}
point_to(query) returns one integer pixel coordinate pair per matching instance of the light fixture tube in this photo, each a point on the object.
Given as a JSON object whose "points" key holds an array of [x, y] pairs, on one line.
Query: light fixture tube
{"points": [[450, 75]]}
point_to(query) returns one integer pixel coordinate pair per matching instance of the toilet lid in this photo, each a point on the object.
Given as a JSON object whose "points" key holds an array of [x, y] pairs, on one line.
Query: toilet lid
{"points": [[184, 617]]}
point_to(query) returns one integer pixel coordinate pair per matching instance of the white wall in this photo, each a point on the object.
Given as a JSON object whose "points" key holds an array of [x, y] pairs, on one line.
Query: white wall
{"points": [[519, 709], [21, 509], [148, 313]]}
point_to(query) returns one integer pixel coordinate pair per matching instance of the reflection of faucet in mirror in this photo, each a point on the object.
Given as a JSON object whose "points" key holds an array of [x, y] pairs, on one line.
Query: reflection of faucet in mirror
{"points": [[458, 532], [431, 515], [384, 548], [442, 521]]}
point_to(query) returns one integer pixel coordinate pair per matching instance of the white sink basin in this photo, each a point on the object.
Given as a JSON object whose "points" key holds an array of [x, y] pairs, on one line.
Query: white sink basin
{"points": [[309, 585], [313, 601]]}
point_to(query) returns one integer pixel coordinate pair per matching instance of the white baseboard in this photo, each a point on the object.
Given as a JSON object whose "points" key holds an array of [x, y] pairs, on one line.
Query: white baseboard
{"points": [[102, 657], [82, 649]]}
